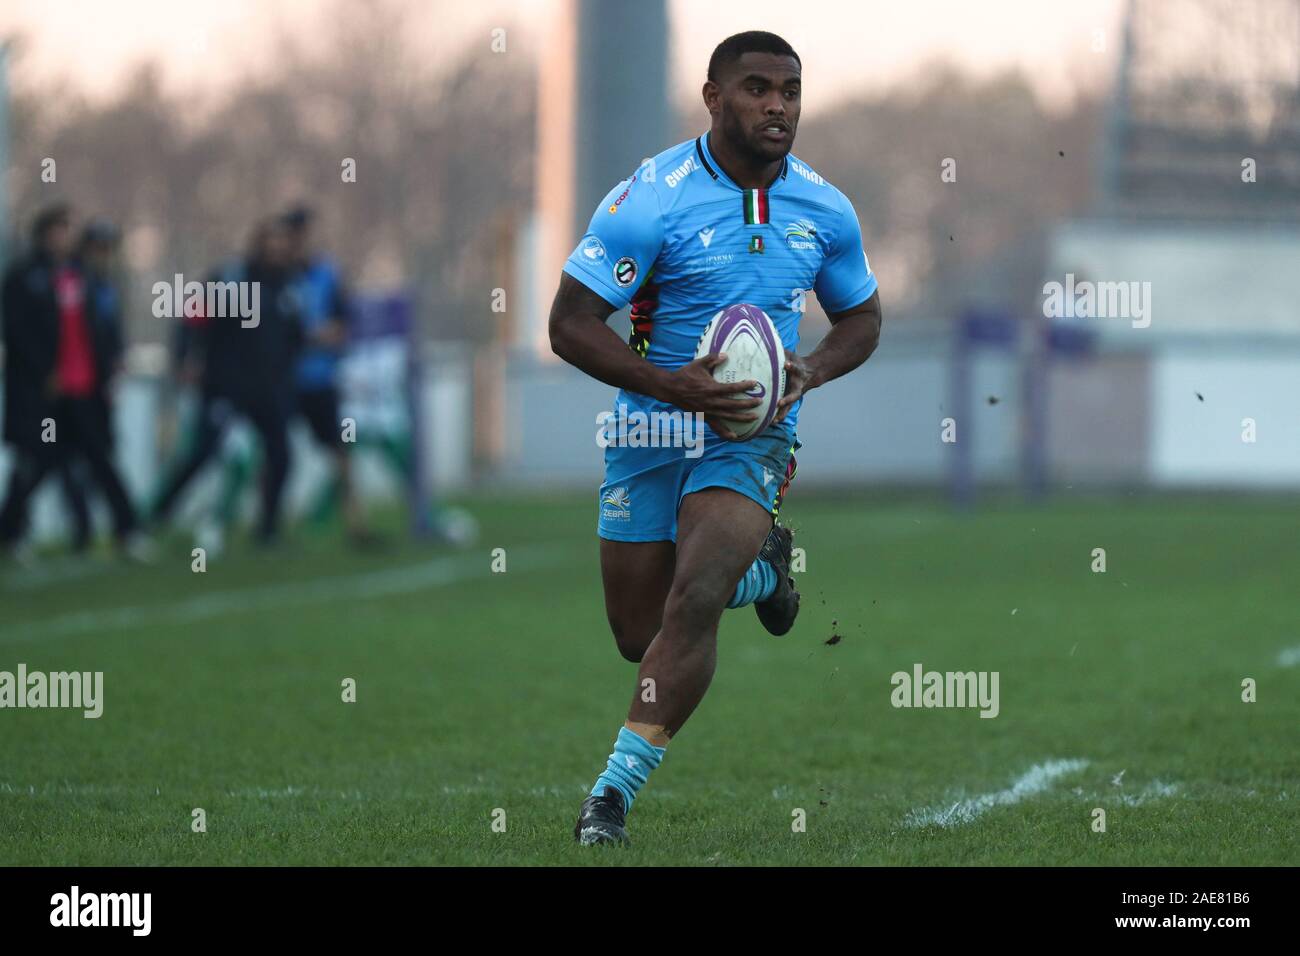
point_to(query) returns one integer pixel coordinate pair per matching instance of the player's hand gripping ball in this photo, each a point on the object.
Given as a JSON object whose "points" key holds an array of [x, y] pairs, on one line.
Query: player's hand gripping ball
{"points": [[748, 338]]}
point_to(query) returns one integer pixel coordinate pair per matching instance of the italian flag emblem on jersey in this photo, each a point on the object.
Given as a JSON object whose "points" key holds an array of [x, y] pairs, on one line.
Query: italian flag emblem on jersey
{"points": [[755, 207]]}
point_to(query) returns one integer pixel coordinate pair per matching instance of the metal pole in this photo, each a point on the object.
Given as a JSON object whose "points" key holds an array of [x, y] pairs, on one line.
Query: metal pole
{"points": [[4, 152], [961, 463]]}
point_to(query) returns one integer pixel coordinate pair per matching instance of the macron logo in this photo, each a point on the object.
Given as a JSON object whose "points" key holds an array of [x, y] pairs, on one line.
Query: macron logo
{"points": [[706, 236]]}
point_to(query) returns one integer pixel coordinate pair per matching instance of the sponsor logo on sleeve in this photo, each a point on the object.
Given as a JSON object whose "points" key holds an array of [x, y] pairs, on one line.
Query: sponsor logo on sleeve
{"points": [[593, 249], [625, 271], [621, 196]]}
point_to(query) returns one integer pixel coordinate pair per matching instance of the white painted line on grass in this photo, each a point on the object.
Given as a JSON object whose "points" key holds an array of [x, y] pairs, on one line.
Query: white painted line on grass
{"points": [[59, 571], [1038, 779], [1155, 790], [1289, 657], [63, 788], [346, 587]]}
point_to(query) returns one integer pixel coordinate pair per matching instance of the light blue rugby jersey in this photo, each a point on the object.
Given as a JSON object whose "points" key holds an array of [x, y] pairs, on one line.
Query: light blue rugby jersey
{"points": [[680, 240]]}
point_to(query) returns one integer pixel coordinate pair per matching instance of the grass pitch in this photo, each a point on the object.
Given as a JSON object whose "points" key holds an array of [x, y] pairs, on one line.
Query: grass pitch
{"points": [[480, 692]]}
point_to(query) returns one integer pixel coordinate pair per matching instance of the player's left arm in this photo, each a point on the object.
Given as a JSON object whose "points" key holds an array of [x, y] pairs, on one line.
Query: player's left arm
{"points": [[848, 291], [854, 335], [333, 333]]}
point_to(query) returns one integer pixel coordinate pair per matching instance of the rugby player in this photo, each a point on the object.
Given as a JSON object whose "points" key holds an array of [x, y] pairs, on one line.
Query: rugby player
{"points": [[324, 306], [726, 218]]}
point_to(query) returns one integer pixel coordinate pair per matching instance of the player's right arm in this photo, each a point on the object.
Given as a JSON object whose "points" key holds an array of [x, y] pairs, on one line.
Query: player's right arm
{"points": [[600, 277], [580, 336]]}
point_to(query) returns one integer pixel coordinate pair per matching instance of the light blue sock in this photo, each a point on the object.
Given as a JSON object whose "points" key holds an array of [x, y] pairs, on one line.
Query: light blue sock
{"points": [[629, 766], [757, 585]]}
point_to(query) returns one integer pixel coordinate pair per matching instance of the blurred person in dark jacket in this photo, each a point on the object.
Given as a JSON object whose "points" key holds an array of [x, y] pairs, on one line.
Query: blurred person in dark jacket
{"points": [[236, 456], [58, 358], [96, 253], [245, 368]]}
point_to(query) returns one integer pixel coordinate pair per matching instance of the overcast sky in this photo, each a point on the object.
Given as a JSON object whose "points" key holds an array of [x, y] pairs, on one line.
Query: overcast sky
{"points": [[846, 45]]}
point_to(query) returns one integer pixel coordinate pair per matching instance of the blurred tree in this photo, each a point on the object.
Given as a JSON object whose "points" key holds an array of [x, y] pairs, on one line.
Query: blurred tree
{"points": [[442, 153], [1019, 166]]}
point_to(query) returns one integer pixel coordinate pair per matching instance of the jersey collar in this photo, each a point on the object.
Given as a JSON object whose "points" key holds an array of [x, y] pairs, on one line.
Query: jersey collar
{"points": [[715, 170]]}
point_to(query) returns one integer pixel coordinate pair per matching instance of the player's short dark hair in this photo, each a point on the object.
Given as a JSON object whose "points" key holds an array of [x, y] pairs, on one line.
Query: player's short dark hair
{"points": [[58, 214], [298, 217], [752, 41], [99, 232]]}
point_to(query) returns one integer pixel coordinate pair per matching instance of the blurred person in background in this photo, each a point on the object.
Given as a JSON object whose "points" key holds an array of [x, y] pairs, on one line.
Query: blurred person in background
{"points": [[245, 372], [199, 389], [59, 359], [324, 304], [326, 307], [96, 254]]}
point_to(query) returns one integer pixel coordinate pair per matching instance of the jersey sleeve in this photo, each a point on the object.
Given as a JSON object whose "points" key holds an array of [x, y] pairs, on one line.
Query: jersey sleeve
{"points": [[845, 279], [621, 243]]}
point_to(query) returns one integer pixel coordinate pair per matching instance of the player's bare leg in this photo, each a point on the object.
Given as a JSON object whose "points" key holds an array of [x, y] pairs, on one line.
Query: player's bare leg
{"points": [[637, 576], [719, 532], [354, 516]]}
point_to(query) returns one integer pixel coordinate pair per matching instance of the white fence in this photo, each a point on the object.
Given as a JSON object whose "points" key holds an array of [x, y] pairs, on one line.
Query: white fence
{"points": [[1179, 413]]}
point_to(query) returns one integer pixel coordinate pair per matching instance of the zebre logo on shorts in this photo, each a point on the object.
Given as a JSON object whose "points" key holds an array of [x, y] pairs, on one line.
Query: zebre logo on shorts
{"points": [[616, 504]]}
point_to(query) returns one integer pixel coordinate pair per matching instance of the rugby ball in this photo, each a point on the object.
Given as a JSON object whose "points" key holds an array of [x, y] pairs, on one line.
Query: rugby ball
{"points": [[753, 349]]}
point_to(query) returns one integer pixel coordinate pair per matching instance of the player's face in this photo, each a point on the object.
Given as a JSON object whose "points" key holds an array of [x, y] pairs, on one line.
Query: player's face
{"points": [[758, 100], [57, 241], [300, 245], [99, 256], [275, 247]]}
